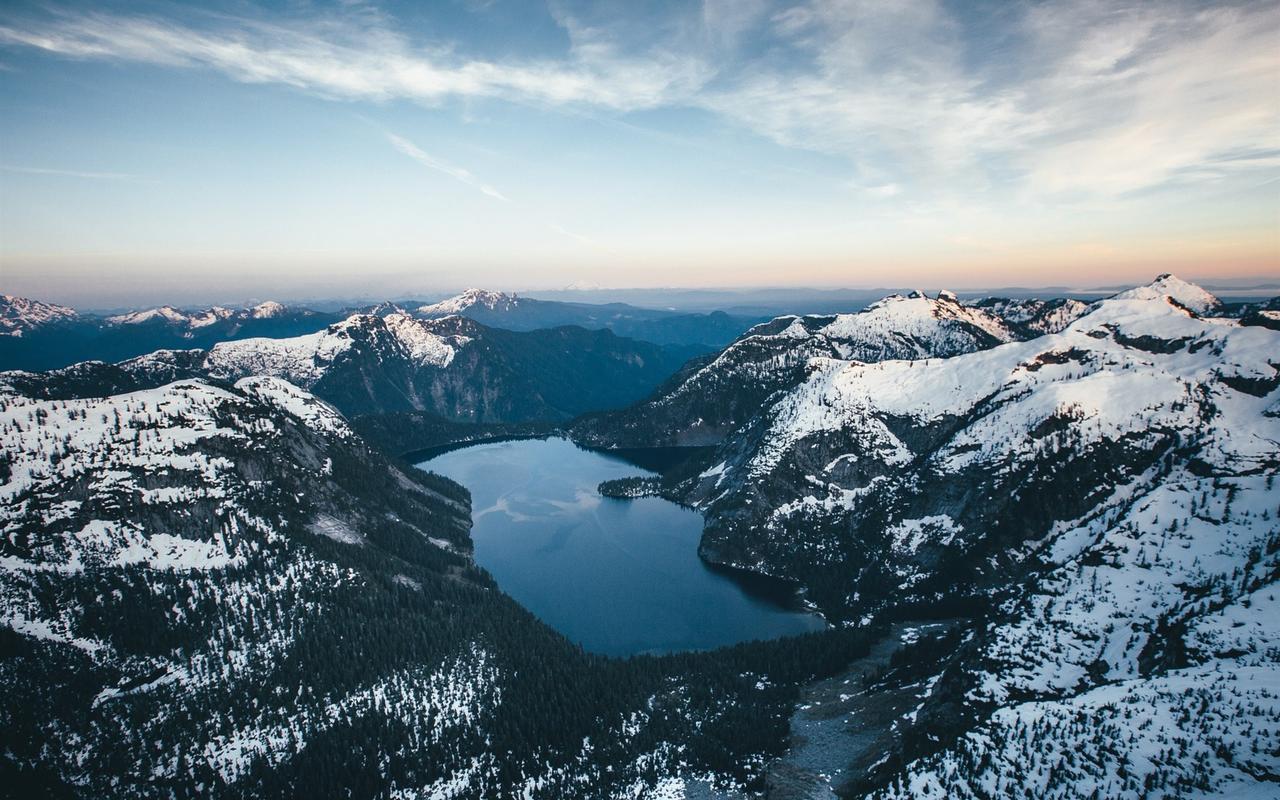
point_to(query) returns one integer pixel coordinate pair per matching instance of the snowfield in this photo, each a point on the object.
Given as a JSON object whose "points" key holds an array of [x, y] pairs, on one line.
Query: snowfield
{"points": [[1126, 466]]}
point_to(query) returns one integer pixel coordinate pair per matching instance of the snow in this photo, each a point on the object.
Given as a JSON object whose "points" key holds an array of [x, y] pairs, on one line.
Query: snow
{"points": [[1114, 739], [312, 411], [19, 315], [203, 319], [425, 347], [266, 310], [941, 326], [302, 360], [909, 535], [1171, 286], [1104, 384], [471, 298], [1189, 540], [136, 317]]}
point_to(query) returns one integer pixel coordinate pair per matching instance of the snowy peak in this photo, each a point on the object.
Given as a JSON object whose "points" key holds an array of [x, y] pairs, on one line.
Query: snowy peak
{"points": [[304, 360], [1185, 294], [19, 314], [938, 326], [168, 313], [267, 310], [471, 298], [198, 319]]}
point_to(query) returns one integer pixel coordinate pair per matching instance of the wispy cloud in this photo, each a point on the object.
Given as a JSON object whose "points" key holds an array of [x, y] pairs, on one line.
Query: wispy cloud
{"points": [[1081, 96], [457, 173], [69, 173], [356, 57], [1049, 100]]}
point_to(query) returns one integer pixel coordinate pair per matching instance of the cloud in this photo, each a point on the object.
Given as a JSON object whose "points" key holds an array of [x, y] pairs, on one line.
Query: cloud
{"points": [[357, 57], [1068, 97], [1030, 101], [412, 151]]}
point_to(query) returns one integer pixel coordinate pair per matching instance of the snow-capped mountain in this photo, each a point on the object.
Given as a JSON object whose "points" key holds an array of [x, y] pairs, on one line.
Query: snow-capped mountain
{"points": [[710, 400], [452, 367], [1032, 317], [267, 309], [167, 552], [221, 591], [1187, 295], [513, 312], [20, 316], [203, 318], [49, 337], [1101, 501], [471, 299], [163, 313]]}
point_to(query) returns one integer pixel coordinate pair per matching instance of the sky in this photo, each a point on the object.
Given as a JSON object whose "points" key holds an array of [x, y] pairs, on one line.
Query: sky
{"points": [[151, 150]]}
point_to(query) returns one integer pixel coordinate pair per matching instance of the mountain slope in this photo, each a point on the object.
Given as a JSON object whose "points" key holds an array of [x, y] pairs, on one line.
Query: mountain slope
{"points": [[452, 367], [22, 317], [1096, 509], [223, 592], [1004, 441], [513, 312], [710, 400]]}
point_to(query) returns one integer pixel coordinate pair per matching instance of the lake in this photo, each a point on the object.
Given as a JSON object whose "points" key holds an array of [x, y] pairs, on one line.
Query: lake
{"points": [[618, 577]]}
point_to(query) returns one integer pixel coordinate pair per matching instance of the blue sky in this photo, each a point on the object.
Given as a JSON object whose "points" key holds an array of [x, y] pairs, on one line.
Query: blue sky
{"points": [[150, 149]]}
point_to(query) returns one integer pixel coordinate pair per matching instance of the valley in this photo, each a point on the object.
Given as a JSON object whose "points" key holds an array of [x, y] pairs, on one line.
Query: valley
{"points": [[1011, 515]]}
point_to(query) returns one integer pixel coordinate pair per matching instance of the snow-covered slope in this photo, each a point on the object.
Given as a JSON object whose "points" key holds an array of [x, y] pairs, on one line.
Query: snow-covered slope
{"points": [[305, 359], [469, 300], [1111, 488], [1188, 295], [19, 316], [915, 326], [162, 559], [166, 313], [451, 367], [267, 309], [709, 401], [220, 591], [1033, 317]]}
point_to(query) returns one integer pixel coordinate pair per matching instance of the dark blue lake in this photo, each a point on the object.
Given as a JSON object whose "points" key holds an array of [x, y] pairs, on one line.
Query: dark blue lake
{"points": [[617, 576]]}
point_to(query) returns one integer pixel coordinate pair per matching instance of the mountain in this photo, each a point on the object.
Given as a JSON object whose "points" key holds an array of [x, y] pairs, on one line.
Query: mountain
{"points": [[221, 591], [22, 317], [513, 312], [453, 367], [710, 399], [1031, 317], [476, 301], [1093, 513], [42, 336]]}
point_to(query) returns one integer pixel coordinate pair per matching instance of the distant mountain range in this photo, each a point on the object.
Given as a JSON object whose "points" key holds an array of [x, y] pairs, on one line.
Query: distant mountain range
{"points": [[452, 367], [37, 335], [513, 312]]}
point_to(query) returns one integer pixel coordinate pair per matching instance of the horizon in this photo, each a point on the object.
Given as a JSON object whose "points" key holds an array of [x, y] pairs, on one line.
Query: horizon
{"points": [[714, 297], [153, 149]]}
